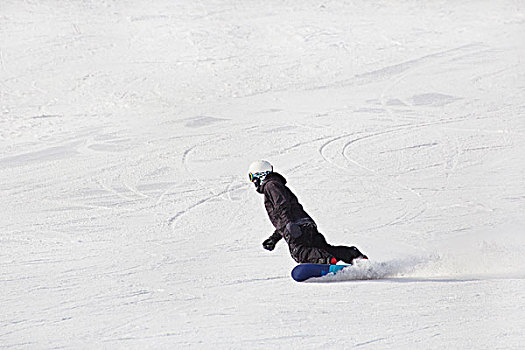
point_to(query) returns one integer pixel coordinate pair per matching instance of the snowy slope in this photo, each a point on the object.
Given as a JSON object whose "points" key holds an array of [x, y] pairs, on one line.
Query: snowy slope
{"points": [[127, 127]]}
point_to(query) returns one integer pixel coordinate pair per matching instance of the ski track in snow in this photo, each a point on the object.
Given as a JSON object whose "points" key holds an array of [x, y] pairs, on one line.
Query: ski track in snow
{"points": [[125, 135]]}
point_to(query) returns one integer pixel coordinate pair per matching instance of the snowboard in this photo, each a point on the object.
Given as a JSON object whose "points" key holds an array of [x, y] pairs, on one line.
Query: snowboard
{"points": [[303, 272]]}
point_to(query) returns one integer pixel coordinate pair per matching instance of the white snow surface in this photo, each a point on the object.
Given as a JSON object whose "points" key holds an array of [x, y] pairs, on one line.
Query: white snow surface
{"points": [[127, 127]]}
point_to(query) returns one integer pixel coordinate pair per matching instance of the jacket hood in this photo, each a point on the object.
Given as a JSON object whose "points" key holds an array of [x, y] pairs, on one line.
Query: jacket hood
{"points": [[269, 178]]}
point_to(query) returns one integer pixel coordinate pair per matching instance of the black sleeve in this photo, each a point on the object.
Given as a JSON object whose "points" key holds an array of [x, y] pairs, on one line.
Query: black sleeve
{"points": [[276, 236], [281, 202]]}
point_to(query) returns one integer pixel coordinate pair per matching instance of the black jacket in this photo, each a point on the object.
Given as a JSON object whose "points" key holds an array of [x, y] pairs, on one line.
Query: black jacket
{"points": [[281, 205]]}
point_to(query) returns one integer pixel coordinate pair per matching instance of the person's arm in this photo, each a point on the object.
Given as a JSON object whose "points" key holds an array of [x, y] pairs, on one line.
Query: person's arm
{"points": [[280, 201]]}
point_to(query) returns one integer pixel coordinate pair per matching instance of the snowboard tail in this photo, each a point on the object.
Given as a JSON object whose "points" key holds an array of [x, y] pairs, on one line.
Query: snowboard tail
{"points": [[302, 272]]}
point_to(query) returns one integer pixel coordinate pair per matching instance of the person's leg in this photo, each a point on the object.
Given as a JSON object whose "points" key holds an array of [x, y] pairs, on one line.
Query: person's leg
{"points": [[313, 255], [343, 253], [308, 249]]}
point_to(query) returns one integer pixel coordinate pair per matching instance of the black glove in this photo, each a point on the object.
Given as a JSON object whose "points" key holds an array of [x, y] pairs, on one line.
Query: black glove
{"points": [[269, 244], [294, 229]]}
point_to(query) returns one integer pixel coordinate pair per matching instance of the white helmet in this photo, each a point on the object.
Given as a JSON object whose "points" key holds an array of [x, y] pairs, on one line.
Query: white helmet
{"points": [[259, 170]]}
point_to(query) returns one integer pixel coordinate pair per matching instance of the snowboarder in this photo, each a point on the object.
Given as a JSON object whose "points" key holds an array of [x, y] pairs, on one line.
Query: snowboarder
{"points": [[287, 215]]}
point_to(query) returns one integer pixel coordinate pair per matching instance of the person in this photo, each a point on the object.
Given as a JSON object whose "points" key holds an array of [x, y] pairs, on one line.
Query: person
{"points": [[291, 222]]}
